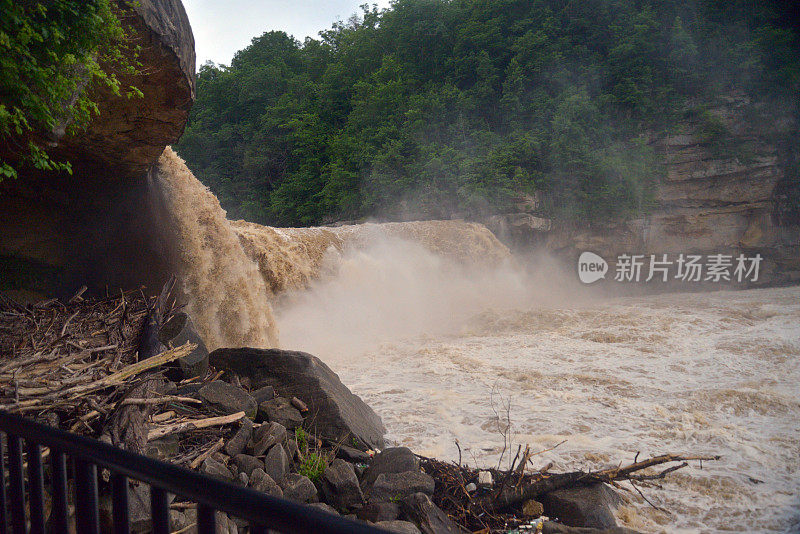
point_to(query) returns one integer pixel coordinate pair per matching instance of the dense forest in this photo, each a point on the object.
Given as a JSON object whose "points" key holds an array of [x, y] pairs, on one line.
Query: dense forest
{"points": [[437, 108]]}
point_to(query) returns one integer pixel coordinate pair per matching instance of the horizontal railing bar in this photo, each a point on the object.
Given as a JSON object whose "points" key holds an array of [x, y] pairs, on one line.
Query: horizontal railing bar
{"points": [[245, 503]]}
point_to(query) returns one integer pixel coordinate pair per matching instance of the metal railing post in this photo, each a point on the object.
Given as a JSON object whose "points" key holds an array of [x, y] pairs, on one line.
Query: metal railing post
{"points": [[119, 498], [87, 517], [206, 520], [59, 513], [35, 487], [159, 510], [16, 485]]}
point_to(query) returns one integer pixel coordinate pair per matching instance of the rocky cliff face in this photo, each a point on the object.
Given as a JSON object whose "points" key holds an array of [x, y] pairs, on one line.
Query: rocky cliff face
{"points": [[705, 205], [95, 218]]}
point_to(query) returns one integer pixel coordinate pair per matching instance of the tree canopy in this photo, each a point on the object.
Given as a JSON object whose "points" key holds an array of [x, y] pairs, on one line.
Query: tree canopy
{"points": [[52, 53], [435, 108]]}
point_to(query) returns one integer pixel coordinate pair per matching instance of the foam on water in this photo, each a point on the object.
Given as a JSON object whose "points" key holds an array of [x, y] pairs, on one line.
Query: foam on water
{"points": [[226, 297], [438, 355]]}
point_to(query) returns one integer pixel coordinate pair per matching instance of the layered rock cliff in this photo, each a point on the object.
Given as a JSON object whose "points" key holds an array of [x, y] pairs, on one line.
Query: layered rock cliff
{"points": [[705, 204]]}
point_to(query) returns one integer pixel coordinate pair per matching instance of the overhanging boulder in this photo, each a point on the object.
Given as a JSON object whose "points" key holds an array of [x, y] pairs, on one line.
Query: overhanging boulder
{"points": [[335, 413], [62, 231]]}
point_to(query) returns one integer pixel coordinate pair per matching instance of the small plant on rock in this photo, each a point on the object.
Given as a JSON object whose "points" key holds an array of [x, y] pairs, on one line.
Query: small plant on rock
{"points": [[313, 465], [301, 437]]}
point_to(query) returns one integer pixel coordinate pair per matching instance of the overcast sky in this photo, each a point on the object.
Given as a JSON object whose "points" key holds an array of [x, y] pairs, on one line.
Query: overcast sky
{"points": [[222, 27]]}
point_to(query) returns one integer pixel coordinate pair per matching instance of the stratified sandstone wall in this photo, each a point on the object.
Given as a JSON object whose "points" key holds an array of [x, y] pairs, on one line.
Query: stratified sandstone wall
{"points": [[705, 205]]}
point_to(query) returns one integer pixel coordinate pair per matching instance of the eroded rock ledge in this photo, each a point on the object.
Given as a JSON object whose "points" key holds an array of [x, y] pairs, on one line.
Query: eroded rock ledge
{"points": [[92, 225]]}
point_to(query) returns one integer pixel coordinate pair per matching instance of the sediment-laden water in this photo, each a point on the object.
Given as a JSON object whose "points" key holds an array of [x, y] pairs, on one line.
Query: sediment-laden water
{"points": [[449, 338], [440, 356]]}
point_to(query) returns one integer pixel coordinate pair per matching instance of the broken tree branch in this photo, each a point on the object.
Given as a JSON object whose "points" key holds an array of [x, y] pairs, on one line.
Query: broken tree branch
{"points": [[547, 483], [194, 424]]}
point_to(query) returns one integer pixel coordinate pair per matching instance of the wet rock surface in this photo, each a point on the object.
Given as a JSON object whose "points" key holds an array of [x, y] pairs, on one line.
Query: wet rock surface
{"points": [[551, 527], [227, 399], [238, 442], [299, 488], [216, 469], [588, 506], [340, 486], [401, 527], [391, 460], [276, 463], [339, 415], [246, 463], [396, 486], [261, 481], [379, 511], [280, 410], [419, 509]]}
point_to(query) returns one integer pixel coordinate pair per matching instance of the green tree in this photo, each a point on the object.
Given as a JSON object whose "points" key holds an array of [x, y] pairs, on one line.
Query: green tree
{"points": [[51, 55], [436, 108]]}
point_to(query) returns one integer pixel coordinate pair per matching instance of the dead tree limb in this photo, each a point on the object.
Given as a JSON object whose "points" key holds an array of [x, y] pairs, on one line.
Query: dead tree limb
{"points": [[547, 483]]}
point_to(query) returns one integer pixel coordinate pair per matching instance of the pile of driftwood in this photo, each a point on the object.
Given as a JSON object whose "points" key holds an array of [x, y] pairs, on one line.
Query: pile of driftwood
{"points": [[74, 365], [501, 506]]}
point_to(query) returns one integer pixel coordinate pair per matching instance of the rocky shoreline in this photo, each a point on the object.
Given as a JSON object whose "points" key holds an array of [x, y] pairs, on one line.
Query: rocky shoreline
{"points": [[132, 371]]}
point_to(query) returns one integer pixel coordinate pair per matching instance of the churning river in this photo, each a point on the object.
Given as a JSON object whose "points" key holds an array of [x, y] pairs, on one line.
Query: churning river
{"points": [[704, 373], [448, 354]]}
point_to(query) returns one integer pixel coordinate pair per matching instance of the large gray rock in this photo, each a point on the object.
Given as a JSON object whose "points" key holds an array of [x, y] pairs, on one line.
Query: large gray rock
{"points": [[585, 506], [299, 488], [420, 510], [391, 460], [352, 455], [551, 527], [266, 436], [228, 399], [379, 511], [176, 332], [217, 469], [337, 414], [276, 464], [263, 394], [261, 481], [280, 410], [238, 442], [247, 464], [394, 486], [401, 527], [340, 486]]}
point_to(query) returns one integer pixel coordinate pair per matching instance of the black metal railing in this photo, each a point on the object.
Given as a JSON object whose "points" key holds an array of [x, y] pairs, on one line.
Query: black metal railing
{"points": [[22, 489]]}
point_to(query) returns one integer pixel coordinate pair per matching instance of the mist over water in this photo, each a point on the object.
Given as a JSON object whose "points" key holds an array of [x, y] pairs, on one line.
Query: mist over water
{"points": [[391, 289], [439, 328], [438, 350]]}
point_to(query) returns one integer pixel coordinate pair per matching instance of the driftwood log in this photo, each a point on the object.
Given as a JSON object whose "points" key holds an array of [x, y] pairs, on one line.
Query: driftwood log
{"points": [[545, 483], [128, 424]]}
